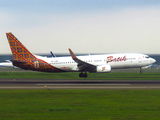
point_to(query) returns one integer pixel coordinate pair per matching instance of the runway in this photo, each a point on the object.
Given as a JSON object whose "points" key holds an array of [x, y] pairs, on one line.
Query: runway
{"points": [[78, 84]]}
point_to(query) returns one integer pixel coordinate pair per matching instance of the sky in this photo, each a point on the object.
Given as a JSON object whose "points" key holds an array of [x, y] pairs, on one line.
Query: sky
{"points": [[85, 26]]}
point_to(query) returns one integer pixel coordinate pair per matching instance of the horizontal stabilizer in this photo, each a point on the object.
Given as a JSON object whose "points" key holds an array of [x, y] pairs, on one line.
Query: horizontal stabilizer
{"points": [[18, 62]]}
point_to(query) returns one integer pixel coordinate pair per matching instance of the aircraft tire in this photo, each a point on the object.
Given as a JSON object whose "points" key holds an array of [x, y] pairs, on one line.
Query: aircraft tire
{"points": [[85, 75], [81, 75], [141, 71]]}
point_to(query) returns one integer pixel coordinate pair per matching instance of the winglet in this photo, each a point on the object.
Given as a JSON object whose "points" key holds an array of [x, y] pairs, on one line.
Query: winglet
{"points": [[73, 55]]}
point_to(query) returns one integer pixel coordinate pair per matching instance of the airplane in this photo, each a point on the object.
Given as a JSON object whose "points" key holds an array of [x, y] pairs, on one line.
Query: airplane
{"points": [[102, 63], [53, 55], [8, 63]]}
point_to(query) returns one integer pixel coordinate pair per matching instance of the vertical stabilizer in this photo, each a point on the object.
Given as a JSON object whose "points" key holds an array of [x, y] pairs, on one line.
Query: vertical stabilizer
{"points": [[24, 59], [19, 51]]}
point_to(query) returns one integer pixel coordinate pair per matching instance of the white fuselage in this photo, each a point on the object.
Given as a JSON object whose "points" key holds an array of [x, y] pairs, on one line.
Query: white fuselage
{"points": [[116, 61]]}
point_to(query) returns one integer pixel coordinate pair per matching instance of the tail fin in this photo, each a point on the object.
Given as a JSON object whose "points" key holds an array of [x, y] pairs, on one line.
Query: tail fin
{"points": [[25, 59], [53, 55], [19, 51]]}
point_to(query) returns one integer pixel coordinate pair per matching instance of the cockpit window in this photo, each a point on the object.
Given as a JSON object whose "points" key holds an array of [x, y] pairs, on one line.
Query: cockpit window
{"points": [[146, 57]]}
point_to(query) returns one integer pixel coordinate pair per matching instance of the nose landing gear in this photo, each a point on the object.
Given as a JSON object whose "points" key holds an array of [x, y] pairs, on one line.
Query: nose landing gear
{"points": [[141, 71]]}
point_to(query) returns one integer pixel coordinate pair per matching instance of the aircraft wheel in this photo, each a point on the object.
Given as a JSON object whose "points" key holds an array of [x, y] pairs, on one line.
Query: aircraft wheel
{"points": [[85, 75], [81, 75], [141, 71]]}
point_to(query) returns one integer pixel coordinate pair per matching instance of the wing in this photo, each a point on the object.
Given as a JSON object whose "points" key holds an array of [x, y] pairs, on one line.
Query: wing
{"points": [[83, 66]]}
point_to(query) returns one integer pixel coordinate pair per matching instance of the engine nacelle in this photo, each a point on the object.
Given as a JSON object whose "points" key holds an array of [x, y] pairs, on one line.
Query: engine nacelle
{"points": [[103, 68]]}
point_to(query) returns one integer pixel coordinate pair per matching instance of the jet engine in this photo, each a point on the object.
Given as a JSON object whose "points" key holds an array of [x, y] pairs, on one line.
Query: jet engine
{"points": [[103, 68]]}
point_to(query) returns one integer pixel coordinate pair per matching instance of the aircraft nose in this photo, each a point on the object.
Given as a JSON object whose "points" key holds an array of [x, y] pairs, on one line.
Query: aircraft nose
{"points": [[153, 60]]}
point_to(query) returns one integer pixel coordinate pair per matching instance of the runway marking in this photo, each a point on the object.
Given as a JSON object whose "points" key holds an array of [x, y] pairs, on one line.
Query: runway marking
{"points": [[84, 84], [104, 87]]}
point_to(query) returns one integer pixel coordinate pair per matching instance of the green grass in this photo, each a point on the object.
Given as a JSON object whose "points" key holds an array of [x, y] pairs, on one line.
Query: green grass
{"points": [[101, 76], [124, 74], [79, 104]]}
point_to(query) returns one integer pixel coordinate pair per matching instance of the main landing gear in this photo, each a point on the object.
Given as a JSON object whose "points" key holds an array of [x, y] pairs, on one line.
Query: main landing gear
{"points": [[141, 71], [83, 75]]}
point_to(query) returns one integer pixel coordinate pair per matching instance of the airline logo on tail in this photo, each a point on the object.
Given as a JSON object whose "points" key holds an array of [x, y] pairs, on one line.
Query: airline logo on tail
{"points": [[23, 58]]}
